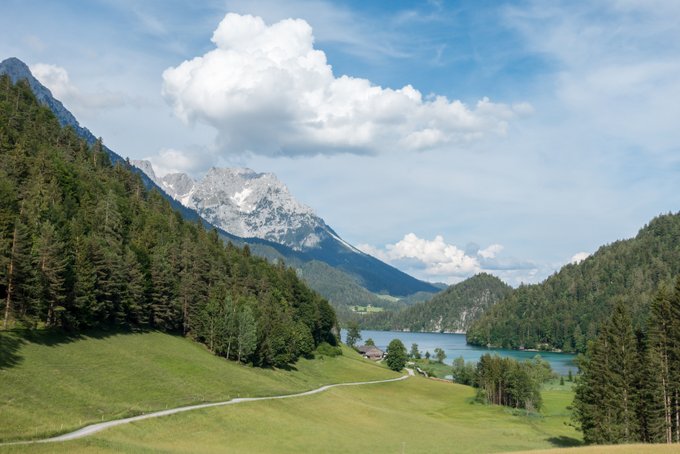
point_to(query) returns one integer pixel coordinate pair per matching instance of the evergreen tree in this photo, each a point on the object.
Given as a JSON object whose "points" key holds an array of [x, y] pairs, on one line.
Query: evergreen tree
{"points": [[51, 268], [440, 355], [246, 337], [20, 278], [415, 353], [606, 394]]}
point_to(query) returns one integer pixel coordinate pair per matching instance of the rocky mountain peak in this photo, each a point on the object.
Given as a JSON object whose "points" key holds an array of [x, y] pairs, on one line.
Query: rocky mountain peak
{"points": [[247, 204]]}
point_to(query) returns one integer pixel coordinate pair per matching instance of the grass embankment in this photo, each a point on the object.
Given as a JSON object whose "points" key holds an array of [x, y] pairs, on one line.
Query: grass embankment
{"points": [[51, 383]]}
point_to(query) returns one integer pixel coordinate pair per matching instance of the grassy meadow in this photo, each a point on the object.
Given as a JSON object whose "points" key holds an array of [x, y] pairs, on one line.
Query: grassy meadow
{"points": [[50, 380], [416, 415], [52, 383]]}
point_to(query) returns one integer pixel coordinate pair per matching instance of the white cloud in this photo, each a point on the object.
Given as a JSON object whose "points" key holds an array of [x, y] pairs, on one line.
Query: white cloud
{"points": [[436, 260], [491, 251], [579, 257], [267, 90], [171, 160], [56, 79], [59, 83]]}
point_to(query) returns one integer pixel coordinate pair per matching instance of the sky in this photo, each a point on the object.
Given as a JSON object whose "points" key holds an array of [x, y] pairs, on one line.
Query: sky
{"points": [[443, 137]]}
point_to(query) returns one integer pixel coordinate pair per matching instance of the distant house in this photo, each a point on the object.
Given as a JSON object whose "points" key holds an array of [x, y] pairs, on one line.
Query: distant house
{"points": [[371, 352]]}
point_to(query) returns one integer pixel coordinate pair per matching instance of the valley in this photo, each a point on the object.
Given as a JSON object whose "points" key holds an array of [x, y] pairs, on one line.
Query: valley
{"points": [[346, 226]]}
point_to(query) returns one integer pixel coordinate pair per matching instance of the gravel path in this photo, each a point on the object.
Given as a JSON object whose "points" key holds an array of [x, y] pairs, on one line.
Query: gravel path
{"points": [[94, 428]]}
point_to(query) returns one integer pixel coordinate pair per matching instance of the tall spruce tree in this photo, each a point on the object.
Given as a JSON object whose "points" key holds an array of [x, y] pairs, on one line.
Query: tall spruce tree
{"points": [[606, 393]]}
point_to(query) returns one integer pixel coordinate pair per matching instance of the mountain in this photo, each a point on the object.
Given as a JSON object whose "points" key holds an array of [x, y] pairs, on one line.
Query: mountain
{"points": [[450, 311], [258, 206], [18, 70], [247, 204], [311, 238], [83, 245], [565, 310]]}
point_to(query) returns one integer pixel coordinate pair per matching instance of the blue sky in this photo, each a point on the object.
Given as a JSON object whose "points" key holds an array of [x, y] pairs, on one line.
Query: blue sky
{"points": [[494, 136]]}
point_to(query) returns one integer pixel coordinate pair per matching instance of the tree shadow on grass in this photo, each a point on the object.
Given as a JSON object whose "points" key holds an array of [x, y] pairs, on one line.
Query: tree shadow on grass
{"points": [[9, 350], [12, 341], [565, 442], [51, 338]]}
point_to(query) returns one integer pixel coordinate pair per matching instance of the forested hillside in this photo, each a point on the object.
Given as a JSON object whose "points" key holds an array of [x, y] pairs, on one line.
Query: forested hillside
{"points": [[564, 312], [84, 244], [452, 310]]}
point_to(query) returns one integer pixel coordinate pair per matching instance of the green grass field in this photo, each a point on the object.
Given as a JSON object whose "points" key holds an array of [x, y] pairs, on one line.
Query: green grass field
{"points": [[50, 380], [367, 309], [52, 384], [417, 415]]}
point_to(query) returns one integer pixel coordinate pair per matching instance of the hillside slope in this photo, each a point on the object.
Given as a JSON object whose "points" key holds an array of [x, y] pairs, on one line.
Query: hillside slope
{"points": [[452, 310], [54, 383], [565, 310]]}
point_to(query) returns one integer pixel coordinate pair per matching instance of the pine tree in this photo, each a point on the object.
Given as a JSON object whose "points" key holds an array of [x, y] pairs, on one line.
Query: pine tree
{"points": [[246, 337], [606, 395], [20, 299], [51, 267]]}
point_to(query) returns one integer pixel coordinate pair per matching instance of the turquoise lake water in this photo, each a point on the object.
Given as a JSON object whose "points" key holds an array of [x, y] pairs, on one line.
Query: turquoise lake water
{"points": [[454, 345]]}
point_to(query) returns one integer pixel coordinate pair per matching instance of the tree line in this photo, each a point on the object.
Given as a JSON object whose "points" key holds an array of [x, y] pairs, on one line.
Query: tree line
{"points": [[505, 381], [84, 245], [629, 387]]}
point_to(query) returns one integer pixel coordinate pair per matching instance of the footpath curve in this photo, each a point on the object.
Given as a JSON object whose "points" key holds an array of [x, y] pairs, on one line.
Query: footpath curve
{"points": [[94, 428]]}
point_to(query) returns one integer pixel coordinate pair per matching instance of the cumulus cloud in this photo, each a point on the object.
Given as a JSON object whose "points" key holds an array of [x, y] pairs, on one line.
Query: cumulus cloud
{"points": [[437, 260], [579, 257], [267, 90], [172, 160], [59, 83]]}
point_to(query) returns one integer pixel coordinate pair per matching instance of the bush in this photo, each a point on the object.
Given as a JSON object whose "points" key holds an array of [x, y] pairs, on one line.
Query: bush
{"points": [[326, 349]]}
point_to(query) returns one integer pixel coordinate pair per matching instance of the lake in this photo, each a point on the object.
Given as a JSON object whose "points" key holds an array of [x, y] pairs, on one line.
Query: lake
{"points": [[454, 345]]}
